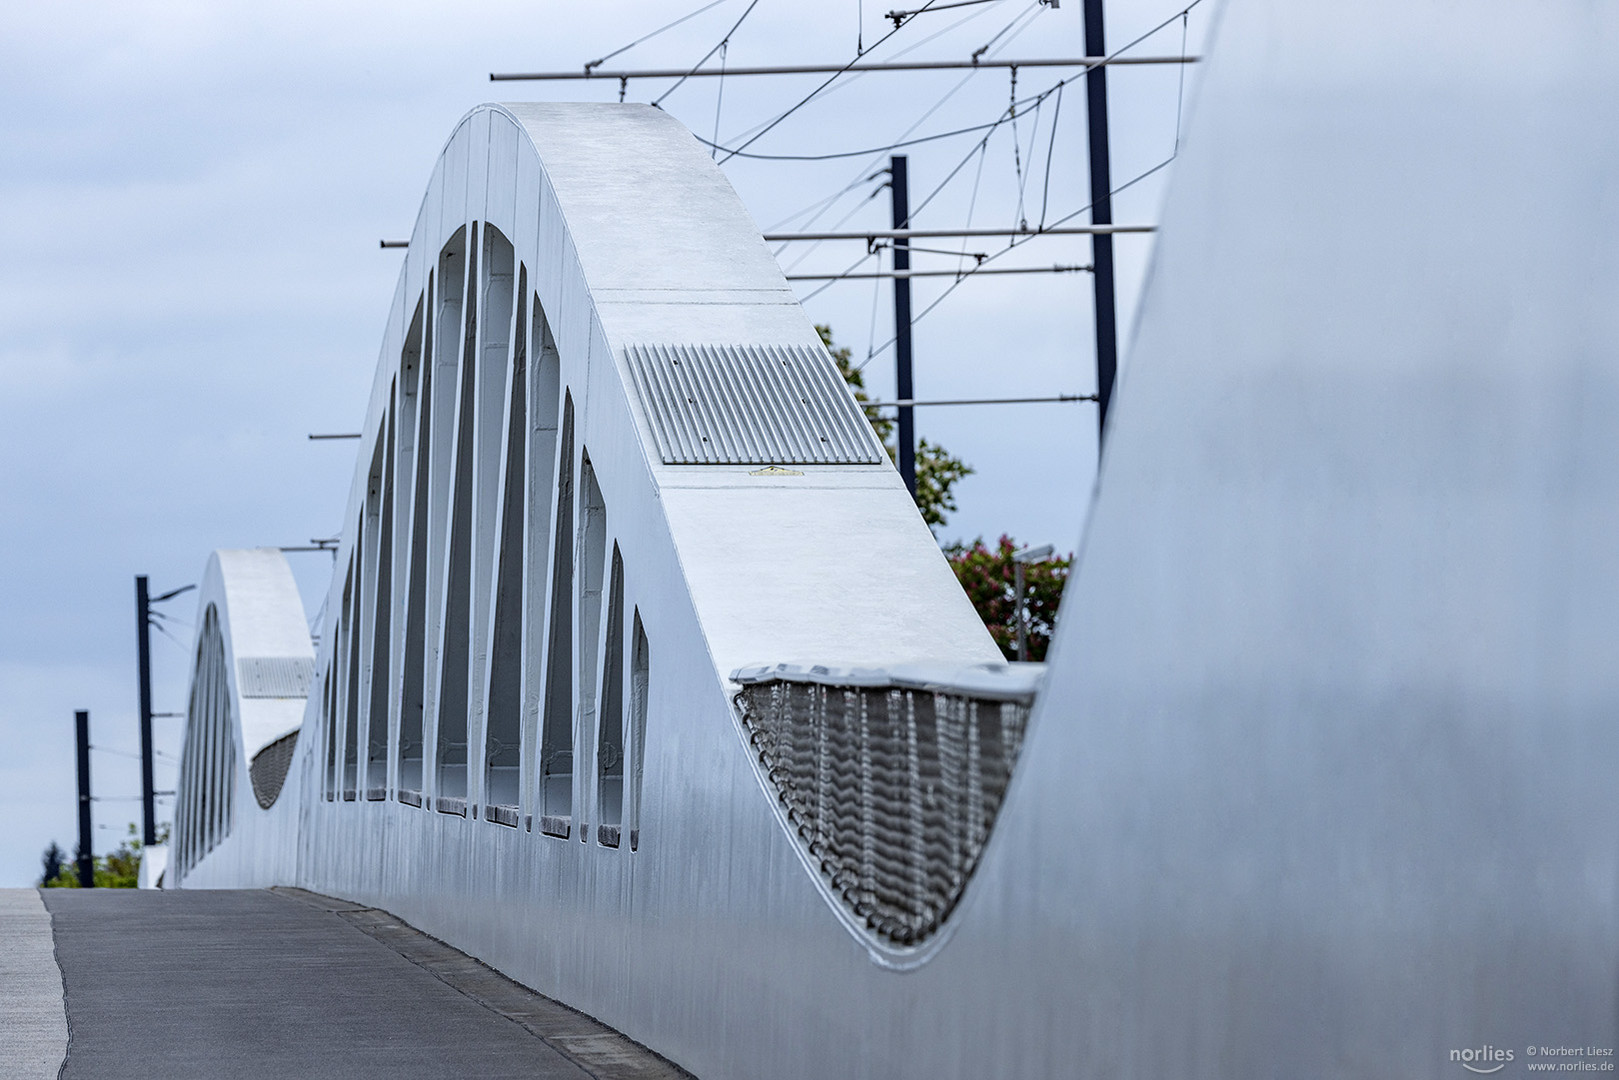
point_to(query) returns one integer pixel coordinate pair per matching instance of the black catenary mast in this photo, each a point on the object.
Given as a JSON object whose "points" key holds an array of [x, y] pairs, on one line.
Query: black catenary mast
{"points": [[143, 643], [1107, 346], [899, 185], [86, 859]]}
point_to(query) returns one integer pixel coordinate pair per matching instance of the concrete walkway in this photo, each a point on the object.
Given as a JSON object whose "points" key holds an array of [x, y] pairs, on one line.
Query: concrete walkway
{"points": [[33, 1026], [258, 984]]}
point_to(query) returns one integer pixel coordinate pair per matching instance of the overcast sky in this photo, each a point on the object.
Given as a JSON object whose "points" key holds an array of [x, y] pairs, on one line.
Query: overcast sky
{"points": [[191, 196]]}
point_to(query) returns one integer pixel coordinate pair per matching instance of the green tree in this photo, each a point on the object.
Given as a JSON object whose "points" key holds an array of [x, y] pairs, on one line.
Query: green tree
{"points": [[53, 862], [937, 470], [986, 575], [119, 869]]}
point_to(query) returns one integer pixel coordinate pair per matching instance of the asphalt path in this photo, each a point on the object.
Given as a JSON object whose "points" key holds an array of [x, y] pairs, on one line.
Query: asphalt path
{"points": [[220, 984]]}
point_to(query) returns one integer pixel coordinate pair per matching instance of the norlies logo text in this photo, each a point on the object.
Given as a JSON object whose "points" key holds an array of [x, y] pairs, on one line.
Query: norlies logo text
{"points": [[1484, 1060]]}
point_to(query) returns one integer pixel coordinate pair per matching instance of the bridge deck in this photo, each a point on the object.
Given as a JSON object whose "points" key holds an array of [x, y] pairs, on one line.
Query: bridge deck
{"points": [[255, 983]]}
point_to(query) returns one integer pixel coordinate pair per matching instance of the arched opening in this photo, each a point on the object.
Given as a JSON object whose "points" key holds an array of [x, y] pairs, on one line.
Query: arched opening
{"points": [[379, 575], [416, 417], [610, 740], [556, 737], [447, 339], [543, 508], [328, 718], [592, 556], [640, 678], [203, 815], [491, 378], [450, 757], [504, 717], [350, 639]]}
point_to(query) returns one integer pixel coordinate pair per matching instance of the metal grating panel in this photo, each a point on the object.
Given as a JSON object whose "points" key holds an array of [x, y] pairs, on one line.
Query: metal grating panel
{"points": [[891, 789], [750, 405], [274, 676], [268, 769]]}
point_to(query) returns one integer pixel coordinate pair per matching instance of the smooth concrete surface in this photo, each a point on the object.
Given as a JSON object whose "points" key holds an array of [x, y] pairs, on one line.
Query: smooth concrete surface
{"points": [[33, 1025], [215, 984]]}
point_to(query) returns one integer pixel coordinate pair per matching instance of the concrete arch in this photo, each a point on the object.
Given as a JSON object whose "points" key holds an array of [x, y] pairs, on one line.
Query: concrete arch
{"points": [[545, 548], [252, 668]]}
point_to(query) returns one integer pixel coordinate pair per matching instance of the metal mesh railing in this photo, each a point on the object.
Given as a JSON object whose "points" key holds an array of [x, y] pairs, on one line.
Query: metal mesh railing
{"points": [[891, 784], [268, 769]]}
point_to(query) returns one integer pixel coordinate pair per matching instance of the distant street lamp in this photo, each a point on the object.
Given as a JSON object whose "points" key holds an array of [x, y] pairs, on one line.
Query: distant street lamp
{"points": [[1020, 559]]}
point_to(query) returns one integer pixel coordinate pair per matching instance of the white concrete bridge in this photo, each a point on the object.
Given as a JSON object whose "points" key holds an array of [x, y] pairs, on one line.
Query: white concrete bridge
{"points": [[642, 682]]}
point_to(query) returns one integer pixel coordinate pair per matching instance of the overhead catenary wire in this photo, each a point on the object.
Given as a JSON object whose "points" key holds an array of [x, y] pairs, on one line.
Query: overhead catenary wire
{"points": [[719, 97], [647, 37], [853, 66], [1016, 242], [1057, 228], [1017, 159], [984, 142], [851, 267], [1076, 268], [914, 249], [871, 331], [899, 144], [858, 75], [824, 205], [985, 47], [1180, 87], [1045, 187], [816, 209], [899, 16], [878, 155], [723, 42], [842, 221], [972, 203], [1113, 58], [731, 153], [160, 628], [129, 753], [915, 403], [1044, 229], [168, 619], [898, 24]]}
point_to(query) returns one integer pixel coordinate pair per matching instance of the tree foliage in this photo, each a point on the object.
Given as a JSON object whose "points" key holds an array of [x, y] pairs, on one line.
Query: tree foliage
{"points": [[53, 862], [119, 869], [937, 470], [987, 575]]}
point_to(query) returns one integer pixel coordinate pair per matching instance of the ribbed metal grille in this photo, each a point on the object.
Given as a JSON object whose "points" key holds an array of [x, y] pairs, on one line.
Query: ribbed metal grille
{"points": [[274, 676], [268, 770], [749, 405], [892, 790]]}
